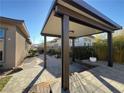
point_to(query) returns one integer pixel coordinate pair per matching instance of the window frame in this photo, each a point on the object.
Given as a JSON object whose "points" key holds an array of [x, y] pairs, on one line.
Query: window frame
{"points": [[2, 39]]}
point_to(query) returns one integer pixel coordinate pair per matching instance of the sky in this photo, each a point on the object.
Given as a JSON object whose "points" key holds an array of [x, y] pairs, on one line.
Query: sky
{"points": [[34, 13]]}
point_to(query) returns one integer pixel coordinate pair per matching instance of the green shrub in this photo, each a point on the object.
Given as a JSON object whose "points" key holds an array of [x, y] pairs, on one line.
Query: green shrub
{"points": [[1, 65], [56, 52], [32, 53], [51, 52], [84, 52], [40, 50]]}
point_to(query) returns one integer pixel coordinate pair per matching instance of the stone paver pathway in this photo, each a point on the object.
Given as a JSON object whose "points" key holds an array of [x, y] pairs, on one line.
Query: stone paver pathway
{"points": [[22, 79], [101, 79]]}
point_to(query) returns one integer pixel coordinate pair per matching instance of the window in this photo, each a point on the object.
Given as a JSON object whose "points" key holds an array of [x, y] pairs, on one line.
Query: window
{"points": [[1, 44], [1, 55], [1, 34]]}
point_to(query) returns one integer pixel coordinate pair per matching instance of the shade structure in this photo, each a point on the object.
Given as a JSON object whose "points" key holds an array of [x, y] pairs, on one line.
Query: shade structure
{"points": [[84, 19], [53, 27], [75, 18]]}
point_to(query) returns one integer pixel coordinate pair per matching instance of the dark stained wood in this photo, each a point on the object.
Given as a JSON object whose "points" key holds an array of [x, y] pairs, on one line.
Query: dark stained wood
{"points": [[81, 19], [73, 46], [53, 35], [78, 4], [110, 61], [65, 52], [45, 48], [93, 12]]}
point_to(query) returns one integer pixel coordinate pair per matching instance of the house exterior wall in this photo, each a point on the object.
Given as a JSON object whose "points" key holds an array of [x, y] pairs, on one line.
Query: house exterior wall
{"points": [[15, 47], [84, 41], [21, 47], [9, 46], [57, 44]]}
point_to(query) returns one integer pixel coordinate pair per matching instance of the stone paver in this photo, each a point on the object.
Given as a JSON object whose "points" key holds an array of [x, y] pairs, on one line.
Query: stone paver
{"points": [[32, 67], [116, 66], [22, 79], [101, 79]]}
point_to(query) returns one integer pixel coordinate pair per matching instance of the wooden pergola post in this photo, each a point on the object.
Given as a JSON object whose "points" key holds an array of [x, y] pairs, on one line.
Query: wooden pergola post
{"points": [[73, 46], [45, 49], [110, 50], [65, 52]]}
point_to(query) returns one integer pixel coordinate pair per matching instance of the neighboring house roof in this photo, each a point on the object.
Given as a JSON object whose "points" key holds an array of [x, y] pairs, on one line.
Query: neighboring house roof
{"points": [[19, 23]]}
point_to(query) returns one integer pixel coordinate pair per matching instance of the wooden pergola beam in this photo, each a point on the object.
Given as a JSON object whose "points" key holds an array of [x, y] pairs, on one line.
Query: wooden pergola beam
{"points": [[81, 19], [65, 52], [51, 35]]}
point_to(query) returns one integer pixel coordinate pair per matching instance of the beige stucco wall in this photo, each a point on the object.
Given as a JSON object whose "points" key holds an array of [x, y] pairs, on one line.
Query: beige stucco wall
{"points": [[9, 46], [15, 47], [21, 49]]}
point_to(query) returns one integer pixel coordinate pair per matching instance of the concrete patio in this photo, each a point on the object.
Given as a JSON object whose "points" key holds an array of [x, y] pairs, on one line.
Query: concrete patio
{"points": [[33, 78], [101, 79], [33, 73]]}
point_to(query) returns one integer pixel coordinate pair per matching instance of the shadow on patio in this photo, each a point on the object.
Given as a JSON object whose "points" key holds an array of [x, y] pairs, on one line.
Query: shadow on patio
{"points": [[33, 82], [54, 66], [97, 80], [101, 79]]}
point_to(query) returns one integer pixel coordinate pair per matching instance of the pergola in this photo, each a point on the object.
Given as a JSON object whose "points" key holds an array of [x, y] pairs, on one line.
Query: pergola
{"points": [[72, 19]]}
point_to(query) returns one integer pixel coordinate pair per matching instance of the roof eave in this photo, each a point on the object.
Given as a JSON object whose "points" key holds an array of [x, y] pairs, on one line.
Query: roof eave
{"points": [[93, 11], [80, 4], [18, 23], [49, 13]]}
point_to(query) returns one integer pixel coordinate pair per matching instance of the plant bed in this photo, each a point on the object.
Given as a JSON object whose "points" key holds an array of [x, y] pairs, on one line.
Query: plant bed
{"points": [[4, 71], [4, 81], [15, 70]]}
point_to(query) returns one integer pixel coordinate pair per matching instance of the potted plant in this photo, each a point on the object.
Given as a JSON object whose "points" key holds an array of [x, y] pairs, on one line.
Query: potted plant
{"points": [[93, 57]]}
